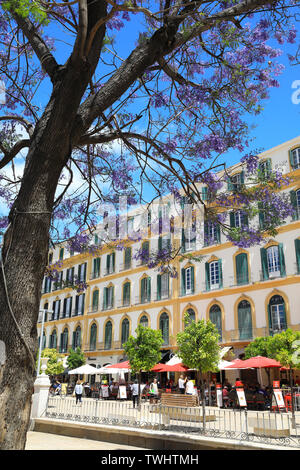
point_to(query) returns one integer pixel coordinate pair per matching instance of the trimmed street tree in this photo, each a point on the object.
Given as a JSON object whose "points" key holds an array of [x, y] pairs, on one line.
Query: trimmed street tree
{"points": [[172, 88], [285, 348], [55, 363], [76, 358], [143, 351], [198, 347]]}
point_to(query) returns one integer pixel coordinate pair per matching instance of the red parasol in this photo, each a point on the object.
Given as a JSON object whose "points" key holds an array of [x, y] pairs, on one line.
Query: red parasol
{"points": [[254, 363]]}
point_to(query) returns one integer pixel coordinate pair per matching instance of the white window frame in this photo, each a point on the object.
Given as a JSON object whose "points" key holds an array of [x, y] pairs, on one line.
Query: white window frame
{"points": [[214, 275], [296, 158], [273, 261], [276, 319]]}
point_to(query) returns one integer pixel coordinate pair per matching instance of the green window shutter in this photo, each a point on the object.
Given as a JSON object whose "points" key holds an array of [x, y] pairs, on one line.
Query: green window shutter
{"points": [[270, 319], [242, 275], [245, 219], [293, 198], [114, 261], [107, 263], [183, 284], [193, 279], [297, 249], [105, 296], [95, 300], [127, 257], [291, 158], [243, 177], [207, 276], [158, 287], [73, 339], [264, 263], [281, 259], [220, 273], [232, 221], [229, 185], [182, 240], [61, 343], [112, 296], [149, 289], [159, 243], [269, 166], [204, 193], [218, 232]]}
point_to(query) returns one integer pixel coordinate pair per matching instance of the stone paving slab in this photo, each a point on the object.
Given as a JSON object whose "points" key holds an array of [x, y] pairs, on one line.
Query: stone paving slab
{"points": [[45, 441]]}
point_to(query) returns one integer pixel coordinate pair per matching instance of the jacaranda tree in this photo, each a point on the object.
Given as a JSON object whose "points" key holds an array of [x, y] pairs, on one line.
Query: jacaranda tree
{"points": [[102, 98]]}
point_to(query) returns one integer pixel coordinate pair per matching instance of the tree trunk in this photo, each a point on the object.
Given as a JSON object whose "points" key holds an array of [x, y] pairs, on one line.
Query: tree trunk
{"points": [[25, 251]]}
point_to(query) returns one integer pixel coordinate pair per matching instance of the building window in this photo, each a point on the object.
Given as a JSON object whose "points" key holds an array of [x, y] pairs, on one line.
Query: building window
{"points": [[47, 285], [56, 309], [145, 253], [212, 233], [273, 262], [295, 201], [126, 294], [82, 272], [110, 263], [79, 304], [125, 331], [215, 316], [163, 286], [277, 314], [96, 268], [236, 182], [69, 277], [127, 256], [144, 321], [53, 340], [244, 320], [64, 341], [108, 335], [95, 300], [76, 343], [241, 266], [164, 327], [213, 275], [93, 337], [67, 308], [189, 317], [265, 168], [61, 254], [297, 250], [238, 219], [108, 297], [146, 289], [295, 158], [188, 280]]}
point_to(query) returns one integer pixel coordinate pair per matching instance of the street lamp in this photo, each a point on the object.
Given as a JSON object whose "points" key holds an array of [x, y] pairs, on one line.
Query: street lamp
{"points": [[41, 339]]}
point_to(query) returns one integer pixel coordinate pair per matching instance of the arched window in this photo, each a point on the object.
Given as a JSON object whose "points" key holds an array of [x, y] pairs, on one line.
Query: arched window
{"points": [[144, 321], [277, 314], [245, 320], [108, 335], [64, 339], [215, 316], [76, 338], [164, 327], [191, 316], [53, 340], [125, 331], [93, 337]]}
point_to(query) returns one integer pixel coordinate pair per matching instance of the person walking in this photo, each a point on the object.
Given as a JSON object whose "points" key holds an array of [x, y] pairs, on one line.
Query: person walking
{"points": [[154, 391], [78, 392], [135, 393]]}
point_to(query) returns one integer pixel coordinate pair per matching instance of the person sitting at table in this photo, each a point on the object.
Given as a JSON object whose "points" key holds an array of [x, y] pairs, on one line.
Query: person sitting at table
{"points": [[225, 397], [190, 387], [238, 383]]}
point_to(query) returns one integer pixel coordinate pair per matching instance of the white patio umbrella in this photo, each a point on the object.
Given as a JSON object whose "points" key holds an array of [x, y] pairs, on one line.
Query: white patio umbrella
{"points": [[86, 369]]}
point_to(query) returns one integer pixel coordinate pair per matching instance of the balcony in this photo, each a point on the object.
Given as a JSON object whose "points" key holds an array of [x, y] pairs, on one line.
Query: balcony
{"points": [[125, 266]]}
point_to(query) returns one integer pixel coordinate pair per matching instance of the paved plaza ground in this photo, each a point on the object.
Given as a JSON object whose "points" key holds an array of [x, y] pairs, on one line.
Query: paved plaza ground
{"points": [[45, 441]]}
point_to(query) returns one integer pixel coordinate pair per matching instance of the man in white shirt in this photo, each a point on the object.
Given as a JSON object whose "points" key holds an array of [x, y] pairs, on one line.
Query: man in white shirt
{"points": [[135, 393], [78, 392], [181, 384]]}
